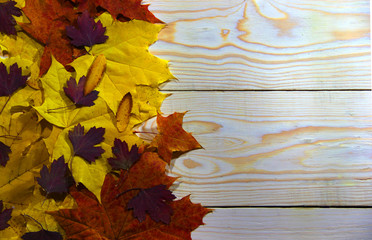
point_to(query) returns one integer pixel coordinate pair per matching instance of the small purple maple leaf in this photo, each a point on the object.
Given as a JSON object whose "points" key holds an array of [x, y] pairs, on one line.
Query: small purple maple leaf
{"points": [[4, 154], [153, 201], [124, 158], [5, 216], [75, 92], [83, 144], [56, 180], [88, 32], [42, 235], [7, 21], [10, 82]]}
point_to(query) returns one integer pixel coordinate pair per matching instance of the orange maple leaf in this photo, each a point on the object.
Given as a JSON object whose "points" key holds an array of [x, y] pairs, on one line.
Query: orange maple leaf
{"points": [[131, 9], [172, 137], [112, 220], [49, 19]]}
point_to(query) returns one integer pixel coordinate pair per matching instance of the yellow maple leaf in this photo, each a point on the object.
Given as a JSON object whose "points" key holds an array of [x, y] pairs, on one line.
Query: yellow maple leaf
{"points": [[92, 175], [58, 110], [130, 67], [24, 51], [39, 206], [28, 153]]}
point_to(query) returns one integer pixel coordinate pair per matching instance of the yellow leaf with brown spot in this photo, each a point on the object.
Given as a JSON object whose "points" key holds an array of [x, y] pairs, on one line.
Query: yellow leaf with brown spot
{"points": [[95, 73], [124, 111]]}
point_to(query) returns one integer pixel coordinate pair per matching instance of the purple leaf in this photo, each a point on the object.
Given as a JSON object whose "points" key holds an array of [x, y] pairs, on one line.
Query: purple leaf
{"points": [[56, 180], [76, 92], [4, 154], [88, 32], [7, 21], [83, 144], [10, 82], [124, 158], [42, 235], [5, 216], [154, 202]]}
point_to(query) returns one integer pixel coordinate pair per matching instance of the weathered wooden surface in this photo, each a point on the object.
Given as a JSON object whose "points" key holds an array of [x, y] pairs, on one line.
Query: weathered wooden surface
{"points": [[286, 224], [273, 148], [265, 44], [276, 148]]}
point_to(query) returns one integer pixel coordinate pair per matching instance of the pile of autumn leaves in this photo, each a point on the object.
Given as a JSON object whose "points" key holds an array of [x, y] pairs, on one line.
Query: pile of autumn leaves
{"points": [[75, 78]]}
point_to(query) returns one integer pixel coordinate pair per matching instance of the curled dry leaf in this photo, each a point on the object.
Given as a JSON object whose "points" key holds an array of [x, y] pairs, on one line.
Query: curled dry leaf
{"points": [[95, 73], [123, 113]]}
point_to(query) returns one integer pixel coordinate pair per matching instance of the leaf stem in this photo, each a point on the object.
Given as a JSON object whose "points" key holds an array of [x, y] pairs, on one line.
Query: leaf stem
{"points": [[2, 109], [132, 189], [53, 109], [11, 137], [119, 184], [25, 215]]}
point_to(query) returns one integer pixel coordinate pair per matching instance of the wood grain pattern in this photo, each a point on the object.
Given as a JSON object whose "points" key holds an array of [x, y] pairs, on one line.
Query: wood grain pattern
{"points": [[286, 224], [276, 148], [265, 44]]}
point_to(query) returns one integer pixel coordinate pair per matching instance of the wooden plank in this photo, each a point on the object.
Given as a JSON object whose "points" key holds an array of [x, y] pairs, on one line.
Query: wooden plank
{"points": [[286, 224], [276, 148], [265, 44]]}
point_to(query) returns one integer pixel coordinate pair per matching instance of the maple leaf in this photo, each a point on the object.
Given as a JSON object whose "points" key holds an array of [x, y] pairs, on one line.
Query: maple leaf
{"points": [[56, 107], [76, 92], [27, 156], [5, 216], [7, 21], [42, 235], [124, 158], [54, 181], [83, 144], [4, 154], [112, 219], [50, 30], [88, 32], [154, 201], [10, 82], [172, 137], [36, 218], [24, 51], [130, 68], [132, 9]]}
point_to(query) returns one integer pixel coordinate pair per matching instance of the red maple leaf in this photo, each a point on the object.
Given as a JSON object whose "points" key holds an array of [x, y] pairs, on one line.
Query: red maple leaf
{"points": [[131, 9], [112, 220], [172, 137], [49, 19]]}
